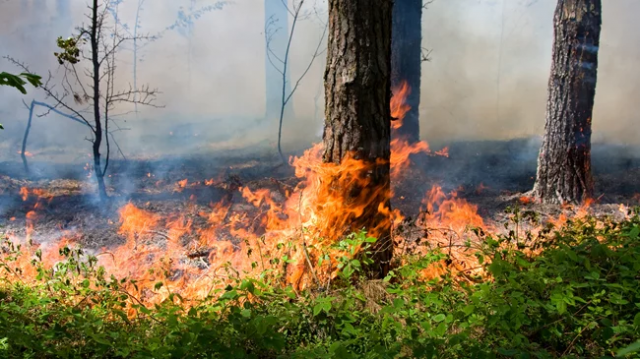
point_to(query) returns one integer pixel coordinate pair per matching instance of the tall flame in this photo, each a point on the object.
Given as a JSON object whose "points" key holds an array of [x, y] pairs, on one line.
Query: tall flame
{"points": [[283, 238]]}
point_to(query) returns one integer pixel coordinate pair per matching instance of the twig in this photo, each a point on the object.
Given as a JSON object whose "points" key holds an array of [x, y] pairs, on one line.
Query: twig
{"points": [[260, 251], [304, 242], [566, 351]]}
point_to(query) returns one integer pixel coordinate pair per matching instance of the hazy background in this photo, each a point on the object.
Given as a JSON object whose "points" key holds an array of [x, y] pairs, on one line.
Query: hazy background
{"points": [[486, 79]]}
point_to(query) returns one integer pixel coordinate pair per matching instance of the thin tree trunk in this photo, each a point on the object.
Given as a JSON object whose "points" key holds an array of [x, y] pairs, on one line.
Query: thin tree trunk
{"points": [[23, 153], [97, 141], [135, 55], [357, 114], [276, 17], [406, 61], [564, 163], [286, 87]]}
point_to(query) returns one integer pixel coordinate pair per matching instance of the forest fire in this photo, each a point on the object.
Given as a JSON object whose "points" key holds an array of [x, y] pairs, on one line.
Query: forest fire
{"points": [[285, 236], [201, 220], [401, 149]]}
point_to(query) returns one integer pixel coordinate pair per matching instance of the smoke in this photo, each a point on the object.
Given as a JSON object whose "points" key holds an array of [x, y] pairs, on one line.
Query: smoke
{"points": [[486, 79], [490, 65]]}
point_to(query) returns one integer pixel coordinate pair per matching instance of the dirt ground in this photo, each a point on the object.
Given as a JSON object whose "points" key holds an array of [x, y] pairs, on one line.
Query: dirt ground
{"points": [[490, 175]]}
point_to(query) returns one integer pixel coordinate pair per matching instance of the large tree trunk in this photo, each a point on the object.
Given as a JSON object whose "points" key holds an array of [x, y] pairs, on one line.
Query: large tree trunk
{"points": [[564, 164], [358, 115], [406, 61]]}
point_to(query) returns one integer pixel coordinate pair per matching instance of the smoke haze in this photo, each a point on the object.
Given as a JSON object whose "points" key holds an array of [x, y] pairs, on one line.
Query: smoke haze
{"points": [[486, 79]]}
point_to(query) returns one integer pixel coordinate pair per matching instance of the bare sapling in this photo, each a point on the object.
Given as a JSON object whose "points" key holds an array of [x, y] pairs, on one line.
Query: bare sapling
{"points": [[281, 62]]}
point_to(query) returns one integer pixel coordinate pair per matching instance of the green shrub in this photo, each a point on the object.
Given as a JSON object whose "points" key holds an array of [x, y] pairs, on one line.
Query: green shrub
{"points": [[579, 297]]}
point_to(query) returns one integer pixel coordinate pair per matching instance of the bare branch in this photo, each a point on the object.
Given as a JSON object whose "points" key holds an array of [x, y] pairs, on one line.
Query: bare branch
{"points": [[49, 92], [110, 133], [316, 54], [286, 6], [21, 65], [143, 96], [425, 55]]}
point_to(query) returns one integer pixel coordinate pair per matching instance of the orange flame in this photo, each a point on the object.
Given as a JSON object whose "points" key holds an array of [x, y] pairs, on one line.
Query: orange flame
{"points": [[399, 106], [401, 149], [273, 236]]}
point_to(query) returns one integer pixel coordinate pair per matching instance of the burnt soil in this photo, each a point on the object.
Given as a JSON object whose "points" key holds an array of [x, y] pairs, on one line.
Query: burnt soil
{"points": [[490, 175]]}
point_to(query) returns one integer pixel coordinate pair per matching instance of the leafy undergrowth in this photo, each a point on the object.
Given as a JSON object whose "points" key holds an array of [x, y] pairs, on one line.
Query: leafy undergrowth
{"points": [[578, 297]]}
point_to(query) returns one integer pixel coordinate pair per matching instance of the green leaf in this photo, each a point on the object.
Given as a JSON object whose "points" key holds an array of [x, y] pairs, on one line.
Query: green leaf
{"points": [[616, 299], [248, 286], [496, 267], [438, 318], [633, 348], [7, 79], [232, 294], [468, 309], [507, 352], [317, 309], [289, 292], [33, 79], [635, 231], [326, 306], [122, 315], [441, 329]]}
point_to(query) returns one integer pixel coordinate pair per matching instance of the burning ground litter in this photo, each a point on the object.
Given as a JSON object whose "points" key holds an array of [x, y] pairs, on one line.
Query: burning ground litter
{"points": [[198, 224]]}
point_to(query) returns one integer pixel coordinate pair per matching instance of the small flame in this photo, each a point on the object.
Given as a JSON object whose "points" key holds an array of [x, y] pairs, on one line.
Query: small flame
{"points": [[401, 149], [399, 106], [481, 188]]}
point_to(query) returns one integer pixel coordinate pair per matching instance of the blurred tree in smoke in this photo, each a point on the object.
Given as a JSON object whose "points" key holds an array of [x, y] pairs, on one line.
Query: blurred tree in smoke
{"points": [[184, 25], [279, 87]]}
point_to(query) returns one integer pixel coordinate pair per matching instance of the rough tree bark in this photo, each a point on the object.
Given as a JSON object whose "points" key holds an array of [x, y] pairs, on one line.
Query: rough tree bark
{"points": [[564, 163], [406, 61], [357, 113]]}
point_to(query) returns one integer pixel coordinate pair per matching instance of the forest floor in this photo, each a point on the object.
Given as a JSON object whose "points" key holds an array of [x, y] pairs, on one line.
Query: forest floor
{"points": [[489, 175], [534, 301]]}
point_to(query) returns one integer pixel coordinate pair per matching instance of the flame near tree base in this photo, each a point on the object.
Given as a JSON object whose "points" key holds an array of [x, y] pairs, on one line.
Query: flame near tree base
{"points": [[291, 241]]}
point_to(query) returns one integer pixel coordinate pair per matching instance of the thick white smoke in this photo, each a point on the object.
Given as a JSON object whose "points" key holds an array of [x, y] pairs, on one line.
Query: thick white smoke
{"points": [[486, 79]]}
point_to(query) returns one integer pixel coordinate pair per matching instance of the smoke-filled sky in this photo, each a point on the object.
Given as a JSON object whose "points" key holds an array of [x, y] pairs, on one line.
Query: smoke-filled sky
{"points": [[486, 79]]}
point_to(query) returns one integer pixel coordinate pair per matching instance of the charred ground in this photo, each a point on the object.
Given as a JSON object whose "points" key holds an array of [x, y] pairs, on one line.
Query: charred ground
{"points": [[491, 175]]}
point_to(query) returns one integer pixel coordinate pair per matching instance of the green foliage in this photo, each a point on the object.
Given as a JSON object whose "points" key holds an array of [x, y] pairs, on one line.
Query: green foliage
{"points": [[7, 79], [578, 297], [70, 50]]}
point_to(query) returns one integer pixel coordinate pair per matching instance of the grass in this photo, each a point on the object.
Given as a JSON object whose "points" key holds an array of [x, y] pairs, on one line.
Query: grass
{"points": [[577, 297]]}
